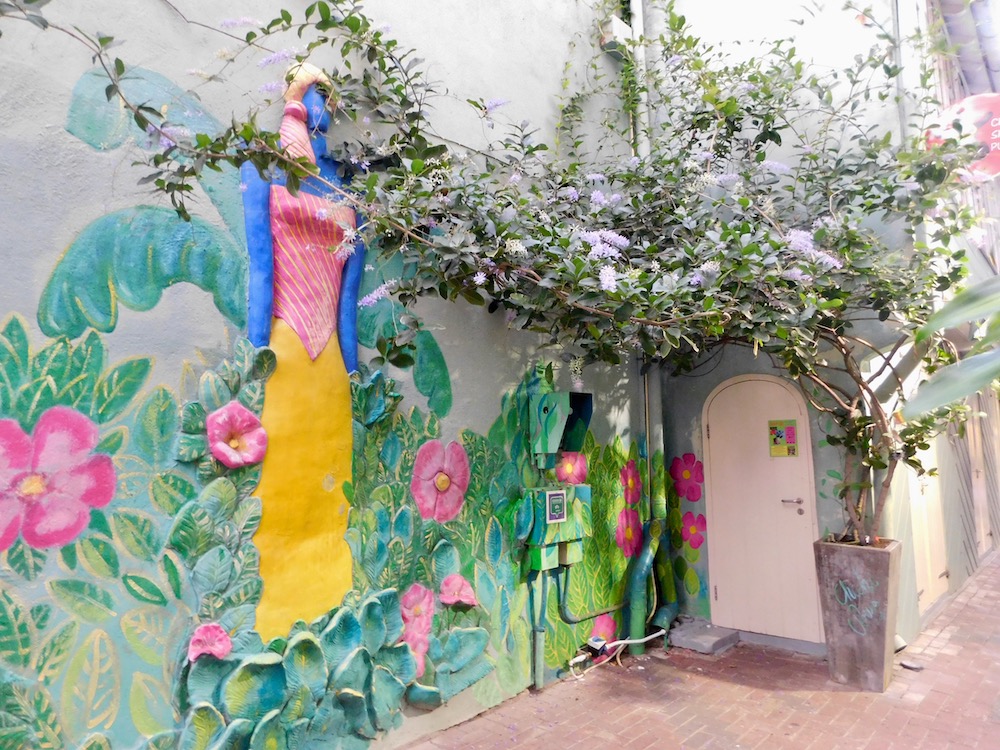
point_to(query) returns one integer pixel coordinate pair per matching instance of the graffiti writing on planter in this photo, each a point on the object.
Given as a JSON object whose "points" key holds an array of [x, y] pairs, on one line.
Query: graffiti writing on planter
{"points": [[855, 595]]}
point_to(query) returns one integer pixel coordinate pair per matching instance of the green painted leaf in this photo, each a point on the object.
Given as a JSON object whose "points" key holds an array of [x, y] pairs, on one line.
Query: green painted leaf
{"points": [[149, 705], [98, 557], [163, 741], [691, 554], [213, 572], [86, 364], [68, 556], [252, 397], [375, 558], [113, 441], [83, 599], [143, 589], [191, 447], [156, 426], [146, 630], [171, 567], [213, 393], [193, 418], [34, 399], [243, 358], [96, 742], [36, 703], [136, 532], [236, 736], [15, 631], [170, 491], [256, 687], [26, 561], [353, 673], [91, 695], [205, 677], [247, 592], [109, 263], [445, 561], [118, 386], [462, 647], [305, 665], [692, 584], [424, 697], [430, 373], [264, 364], [40, 615], [247, 517], [51, 362], [203, 726], [193, 532], [955, 382], [340, 637], [14, 354], [399, 660], [219, 498]]}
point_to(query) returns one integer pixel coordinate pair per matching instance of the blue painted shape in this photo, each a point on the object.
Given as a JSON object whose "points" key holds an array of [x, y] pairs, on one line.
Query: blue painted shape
{"points": [[257, 221]]}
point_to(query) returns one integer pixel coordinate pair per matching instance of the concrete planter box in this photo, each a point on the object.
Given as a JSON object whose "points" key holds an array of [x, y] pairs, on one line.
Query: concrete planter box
{"points": [[859, 589]]}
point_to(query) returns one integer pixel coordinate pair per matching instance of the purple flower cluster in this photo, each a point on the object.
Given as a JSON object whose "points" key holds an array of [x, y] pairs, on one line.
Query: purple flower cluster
{"points": [[379, 293]]}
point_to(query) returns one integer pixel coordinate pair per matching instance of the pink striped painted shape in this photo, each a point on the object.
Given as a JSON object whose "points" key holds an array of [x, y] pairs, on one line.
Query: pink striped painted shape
{"points": [[307, 270]]}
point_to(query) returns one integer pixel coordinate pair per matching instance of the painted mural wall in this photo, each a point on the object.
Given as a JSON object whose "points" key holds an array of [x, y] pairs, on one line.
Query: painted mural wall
{"points": [[218, 529]]}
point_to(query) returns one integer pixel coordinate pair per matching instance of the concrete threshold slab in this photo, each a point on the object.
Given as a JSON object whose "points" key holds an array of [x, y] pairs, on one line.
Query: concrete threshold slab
{"points": [[703, 637]]}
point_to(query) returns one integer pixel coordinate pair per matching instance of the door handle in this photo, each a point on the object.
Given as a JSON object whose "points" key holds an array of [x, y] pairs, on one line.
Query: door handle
{"points": [[796, 501]]}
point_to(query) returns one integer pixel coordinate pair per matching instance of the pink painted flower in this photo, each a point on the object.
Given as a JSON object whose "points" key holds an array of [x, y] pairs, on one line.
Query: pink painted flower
{"points": [[50, 480], [440, 479], [604, 627], [631, 482], [418, 645], [572, 468], [692, 528], [457, 590], [417, 606], [210, 638], [629, 533], [235, 436], [688, 476]]}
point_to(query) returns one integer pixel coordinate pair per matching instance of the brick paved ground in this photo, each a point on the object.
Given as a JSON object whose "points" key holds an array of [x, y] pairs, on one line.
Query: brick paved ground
{"points": [[758, 697]]}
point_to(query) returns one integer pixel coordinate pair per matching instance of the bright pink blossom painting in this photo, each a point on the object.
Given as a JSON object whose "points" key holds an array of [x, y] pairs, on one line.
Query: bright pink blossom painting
{"points": [[629, 533], [688, 475], [572, 468], [440, 479], [631, 482], [51, 479], [417, 609], [210, 638], [456, 590], [235, 436], [693, 529]]}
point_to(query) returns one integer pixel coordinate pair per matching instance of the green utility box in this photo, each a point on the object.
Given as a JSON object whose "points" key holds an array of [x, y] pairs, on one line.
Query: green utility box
{"points": [[561, 521], [558, 421]]}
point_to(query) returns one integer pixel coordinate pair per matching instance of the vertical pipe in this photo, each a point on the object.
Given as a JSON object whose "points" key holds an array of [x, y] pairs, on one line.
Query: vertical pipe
{"points": [[538, 634]]}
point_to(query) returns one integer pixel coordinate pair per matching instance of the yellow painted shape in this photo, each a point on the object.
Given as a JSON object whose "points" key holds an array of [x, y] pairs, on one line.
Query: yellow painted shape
{"points": [[304, 560]]}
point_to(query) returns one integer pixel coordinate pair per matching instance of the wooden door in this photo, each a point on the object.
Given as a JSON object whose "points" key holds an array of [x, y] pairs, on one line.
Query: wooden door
{"points": [[761, 510], [930, 555]]}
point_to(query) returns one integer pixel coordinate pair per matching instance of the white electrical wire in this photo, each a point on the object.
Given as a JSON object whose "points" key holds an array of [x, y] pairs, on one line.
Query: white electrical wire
{"points": [[621, 644]]}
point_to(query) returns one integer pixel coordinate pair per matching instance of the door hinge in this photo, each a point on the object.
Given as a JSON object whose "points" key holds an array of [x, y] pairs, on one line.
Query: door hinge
{"points": [[708, 431], [946, 574], [715, 592]]}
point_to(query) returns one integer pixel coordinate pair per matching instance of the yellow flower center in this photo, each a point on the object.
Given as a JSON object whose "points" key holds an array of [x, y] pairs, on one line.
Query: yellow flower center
{"points": [[442, 481], [686, 473], [418, 610], [628, 533], [31, 486], [692, 529], [631, 483], [235, 443], [568, 467]]}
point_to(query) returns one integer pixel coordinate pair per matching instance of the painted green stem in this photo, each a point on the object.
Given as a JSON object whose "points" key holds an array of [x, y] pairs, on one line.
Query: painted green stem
{"points": [[562, 593]]}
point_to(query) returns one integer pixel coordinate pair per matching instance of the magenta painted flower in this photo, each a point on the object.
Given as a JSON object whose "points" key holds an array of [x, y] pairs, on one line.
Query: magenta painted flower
{"points": [[456, 590], [50, 480], [604, 627], [440, 479], [572, 468], [688, 476], [692, 529], [629, 533], [631, 482], [417, 606], [235, 436], [210, 638]]}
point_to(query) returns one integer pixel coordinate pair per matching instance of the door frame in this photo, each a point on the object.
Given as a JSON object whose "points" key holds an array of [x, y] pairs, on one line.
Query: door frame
{"points": [[712, 505]]}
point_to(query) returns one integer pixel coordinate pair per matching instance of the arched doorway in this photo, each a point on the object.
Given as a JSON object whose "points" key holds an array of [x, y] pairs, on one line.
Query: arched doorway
{"points": [[761, 509]]}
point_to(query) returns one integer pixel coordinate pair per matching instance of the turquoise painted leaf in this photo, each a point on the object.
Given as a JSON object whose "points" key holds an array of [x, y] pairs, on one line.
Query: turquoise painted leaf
{"points": [[402, 525], [15, 631], [375, 558], [213, 572], [356, 712], [155, 427], [305, 664], [256, 687], [269, 734], [110, 262], [203, 726], [26, 561], [14, 355], [86, 365], [105, 124], [430, 373], [328, 721], [193, 532], [462, 647], [86, 600], [236, 736], [392, 613], [193, 418], [391, 452], [244, 354], [136, 532], [494, 542], [213, 391], [486, 587], [444, 562], [118, 386], [162, 741], [219, 498], [399, 660], [372, 620], [387, 693], [340, 637], [424, 697], [453, 683], [354, 672], [205, 678]]}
